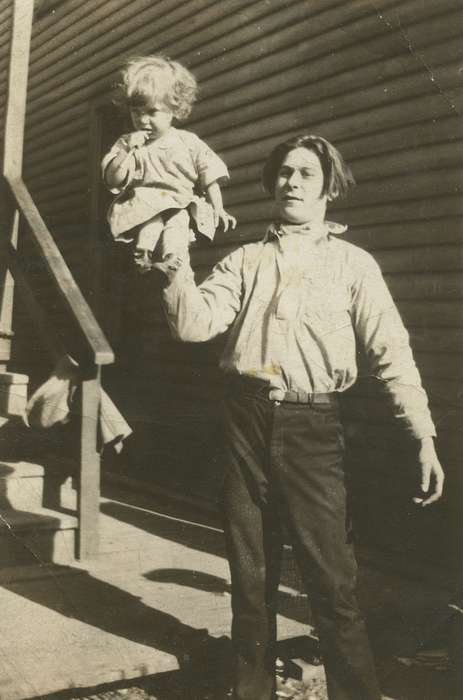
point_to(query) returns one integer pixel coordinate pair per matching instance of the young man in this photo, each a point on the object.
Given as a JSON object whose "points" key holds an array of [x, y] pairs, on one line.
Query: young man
{"points": [[297, 305]]}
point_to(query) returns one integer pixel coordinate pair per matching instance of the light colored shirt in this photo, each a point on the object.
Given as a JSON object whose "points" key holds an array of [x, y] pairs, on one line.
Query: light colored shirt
{"points": [[300, 304], [163, 174]]}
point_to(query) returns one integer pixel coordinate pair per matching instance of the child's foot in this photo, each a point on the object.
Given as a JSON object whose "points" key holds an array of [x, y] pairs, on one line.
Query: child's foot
{"points": [[169, 265], [143, 260]]}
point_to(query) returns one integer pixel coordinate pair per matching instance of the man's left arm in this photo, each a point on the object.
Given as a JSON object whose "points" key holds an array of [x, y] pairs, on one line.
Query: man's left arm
{"points": [[385, 340]]}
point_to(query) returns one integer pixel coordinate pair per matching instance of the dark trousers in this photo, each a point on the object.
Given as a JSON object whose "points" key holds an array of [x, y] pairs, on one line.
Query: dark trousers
{"points": [[284, 462]]}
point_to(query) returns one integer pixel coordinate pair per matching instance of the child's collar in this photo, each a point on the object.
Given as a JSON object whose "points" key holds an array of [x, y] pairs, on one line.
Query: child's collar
{"points": [[167, 140]]}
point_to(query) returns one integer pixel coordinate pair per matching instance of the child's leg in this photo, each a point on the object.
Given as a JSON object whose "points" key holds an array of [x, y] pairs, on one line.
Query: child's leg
{"points": [[174, 240], [148, 236]]}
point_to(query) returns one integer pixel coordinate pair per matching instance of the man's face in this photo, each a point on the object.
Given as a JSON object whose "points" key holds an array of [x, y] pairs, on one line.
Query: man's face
{"points": [[153, 117], [298, 187]]}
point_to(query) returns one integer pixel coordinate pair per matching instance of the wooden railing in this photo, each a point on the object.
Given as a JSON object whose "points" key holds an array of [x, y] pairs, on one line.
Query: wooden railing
{"points": [[94, 350]]}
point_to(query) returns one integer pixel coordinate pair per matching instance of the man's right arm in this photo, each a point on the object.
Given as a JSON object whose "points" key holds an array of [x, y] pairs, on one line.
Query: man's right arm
{"points": [[199, 313]]}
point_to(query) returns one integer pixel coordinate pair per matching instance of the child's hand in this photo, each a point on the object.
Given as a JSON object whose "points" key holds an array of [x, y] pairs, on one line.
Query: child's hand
{"points": [[224, 218], [137, 138]]}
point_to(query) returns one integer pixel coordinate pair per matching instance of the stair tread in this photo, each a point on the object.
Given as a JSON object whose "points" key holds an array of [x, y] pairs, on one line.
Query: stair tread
{"points": [[13, 378], [20, 470], [40, 518]]}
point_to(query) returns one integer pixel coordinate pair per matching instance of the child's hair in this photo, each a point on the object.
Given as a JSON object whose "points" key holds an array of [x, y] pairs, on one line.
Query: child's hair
{"points": [[146, 77], [337, 176]]}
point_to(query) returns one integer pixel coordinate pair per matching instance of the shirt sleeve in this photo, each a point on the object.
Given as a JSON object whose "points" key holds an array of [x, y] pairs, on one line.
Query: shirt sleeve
{"points": [[199, 313], [380, 331], [210, 166], [133, 165]]}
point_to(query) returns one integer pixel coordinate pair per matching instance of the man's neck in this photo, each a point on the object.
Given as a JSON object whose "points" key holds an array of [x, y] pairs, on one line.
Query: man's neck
{"points": [[313, 228]]}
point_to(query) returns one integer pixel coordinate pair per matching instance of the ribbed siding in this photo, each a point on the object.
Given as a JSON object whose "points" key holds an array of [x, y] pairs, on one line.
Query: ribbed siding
{"points": [[5, 37], [382, 81]]}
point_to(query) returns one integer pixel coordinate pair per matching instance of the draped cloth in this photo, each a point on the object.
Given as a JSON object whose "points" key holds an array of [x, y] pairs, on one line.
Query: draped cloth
{"points": [[51, 404]]}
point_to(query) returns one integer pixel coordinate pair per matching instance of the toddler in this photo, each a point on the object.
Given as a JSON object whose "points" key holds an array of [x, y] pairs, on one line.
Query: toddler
{"points": [[166, 179]]}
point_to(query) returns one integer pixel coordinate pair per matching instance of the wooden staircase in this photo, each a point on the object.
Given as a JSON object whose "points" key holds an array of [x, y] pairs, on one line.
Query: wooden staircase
{"points": [[37, 523], [30, 532]]}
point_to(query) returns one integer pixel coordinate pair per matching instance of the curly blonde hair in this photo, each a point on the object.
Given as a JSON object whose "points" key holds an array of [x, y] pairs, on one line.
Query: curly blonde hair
{"points": [[144, 78]]}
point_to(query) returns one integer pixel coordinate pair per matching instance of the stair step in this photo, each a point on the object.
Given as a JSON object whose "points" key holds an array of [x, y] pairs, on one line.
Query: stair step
{"points": [[27, 486], [13, 393], [36, 536], [21, 485]]}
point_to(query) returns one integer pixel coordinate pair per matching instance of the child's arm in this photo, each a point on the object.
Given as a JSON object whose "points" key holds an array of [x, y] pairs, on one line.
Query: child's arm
{"points": [[118, 168], [214, 195]]}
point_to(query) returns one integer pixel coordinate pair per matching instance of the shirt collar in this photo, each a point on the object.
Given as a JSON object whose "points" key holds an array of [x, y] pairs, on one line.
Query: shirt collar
{"points": [[278, 230], [169, 139]]}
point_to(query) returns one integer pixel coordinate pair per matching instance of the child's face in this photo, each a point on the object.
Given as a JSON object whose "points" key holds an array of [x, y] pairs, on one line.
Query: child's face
{"points": [[152, 116]]}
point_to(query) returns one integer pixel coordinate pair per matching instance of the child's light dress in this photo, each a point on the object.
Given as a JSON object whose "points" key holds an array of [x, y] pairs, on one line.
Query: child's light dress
{"points": [[166, 174]]}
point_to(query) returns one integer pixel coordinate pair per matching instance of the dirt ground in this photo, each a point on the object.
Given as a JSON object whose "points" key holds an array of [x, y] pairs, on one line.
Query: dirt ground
{"points": [[174, 687]]}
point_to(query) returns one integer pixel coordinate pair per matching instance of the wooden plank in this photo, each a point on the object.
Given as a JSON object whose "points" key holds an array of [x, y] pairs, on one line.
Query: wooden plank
{"points": [[431, 285], [364, 214], [281, 90], [9, 237], [409, 139], [63, 123], [74, 21], [411, 233], [447, 393], [17, 90], [70, 123], [61, 157], [437, 341], [60, 184], [35, 312], [48, 11], [218, 25], [13, 140], [354, 125], [382, 187], [115, 41], [426, 207], [438, 364], [319, 108], [438, 258], [350, 23], [62, 277], [89, 478], [107, 28], [265, 83], [105, 60], [437, 314], [406, 148]]}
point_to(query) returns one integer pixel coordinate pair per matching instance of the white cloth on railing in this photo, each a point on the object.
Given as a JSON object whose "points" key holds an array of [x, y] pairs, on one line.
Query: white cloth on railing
{"points": [[51, 404]]}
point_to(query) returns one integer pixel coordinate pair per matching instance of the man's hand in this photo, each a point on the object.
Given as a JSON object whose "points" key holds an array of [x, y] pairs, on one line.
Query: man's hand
{"points": [[432, 474]]}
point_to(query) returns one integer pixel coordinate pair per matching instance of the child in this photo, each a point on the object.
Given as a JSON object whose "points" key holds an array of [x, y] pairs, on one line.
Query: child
{"points": [[158, 171]]}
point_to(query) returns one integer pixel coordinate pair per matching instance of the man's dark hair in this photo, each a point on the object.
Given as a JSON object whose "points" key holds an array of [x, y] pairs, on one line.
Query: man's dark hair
{"points": [[337, 177]]}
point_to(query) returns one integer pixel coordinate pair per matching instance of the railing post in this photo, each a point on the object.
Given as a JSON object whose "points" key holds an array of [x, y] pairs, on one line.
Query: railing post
{"points": [[13, 144], [89, 480], [8, 235]]}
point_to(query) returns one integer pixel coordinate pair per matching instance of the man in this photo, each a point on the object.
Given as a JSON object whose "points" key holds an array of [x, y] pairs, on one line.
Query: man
{"points": [[298, 304]]}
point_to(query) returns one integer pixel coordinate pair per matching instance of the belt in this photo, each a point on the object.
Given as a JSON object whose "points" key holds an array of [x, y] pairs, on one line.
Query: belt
{"points": [[259, 387]]}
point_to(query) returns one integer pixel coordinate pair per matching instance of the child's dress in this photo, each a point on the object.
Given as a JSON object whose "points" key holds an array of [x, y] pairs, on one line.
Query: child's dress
{"points": [[166, 174]]}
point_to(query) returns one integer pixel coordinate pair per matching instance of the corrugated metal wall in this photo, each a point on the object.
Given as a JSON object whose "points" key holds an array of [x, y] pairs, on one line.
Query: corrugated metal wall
{"points": [[382, 80]]}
